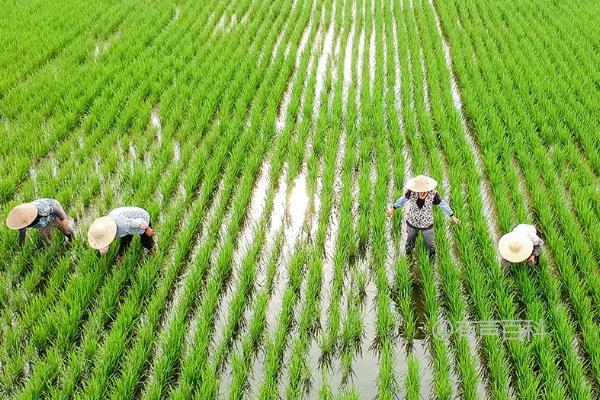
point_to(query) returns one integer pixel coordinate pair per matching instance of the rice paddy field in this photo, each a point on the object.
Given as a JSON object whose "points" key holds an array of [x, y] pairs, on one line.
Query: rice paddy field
{"points": [[267, 139]]}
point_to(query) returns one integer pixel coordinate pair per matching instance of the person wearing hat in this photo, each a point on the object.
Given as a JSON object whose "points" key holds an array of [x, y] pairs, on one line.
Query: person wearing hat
{"points": [[523, 244], [42, 214], [421, 196], [122, 222]]}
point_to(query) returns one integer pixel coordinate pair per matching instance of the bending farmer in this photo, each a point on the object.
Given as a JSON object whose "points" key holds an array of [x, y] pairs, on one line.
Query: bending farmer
{"points": [[523, 244], [42, 214], [421, 196], [123, 222]]}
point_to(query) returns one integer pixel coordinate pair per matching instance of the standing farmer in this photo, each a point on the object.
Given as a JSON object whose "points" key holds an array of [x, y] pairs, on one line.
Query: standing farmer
{"points": [[421, 196], [523, 244], [42, 214], [122, 222]]}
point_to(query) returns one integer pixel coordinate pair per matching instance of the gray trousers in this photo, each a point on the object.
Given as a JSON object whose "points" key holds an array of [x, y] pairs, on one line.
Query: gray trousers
{"points": [[428, 238]]}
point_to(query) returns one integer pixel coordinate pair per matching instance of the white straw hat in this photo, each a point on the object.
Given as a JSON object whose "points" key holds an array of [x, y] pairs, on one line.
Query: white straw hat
{"points": [[21, 216], [102, 232], [515, 247], [421, 183]]}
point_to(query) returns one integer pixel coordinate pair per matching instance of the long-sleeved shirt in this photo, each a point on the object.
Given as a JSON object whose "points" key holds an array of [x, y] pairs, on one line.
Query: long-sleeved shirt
{"points": [[49, 210], [534, 234], [130, 220], [437, 200]]}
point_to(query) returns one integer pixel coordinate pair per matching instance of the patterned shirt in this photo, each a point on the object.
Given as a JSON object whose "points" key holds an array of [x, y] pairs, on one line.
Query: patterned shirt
{"points": [[130, 220], [420, 203], [48, 211]]}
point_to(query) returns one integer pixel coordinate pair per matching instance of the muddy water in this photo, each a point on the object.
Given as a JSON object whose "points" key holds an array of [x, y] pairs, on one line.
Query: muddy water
{"points": [[156, 124], [348, 61], [372, 66], [283, 107], [359, 66]]}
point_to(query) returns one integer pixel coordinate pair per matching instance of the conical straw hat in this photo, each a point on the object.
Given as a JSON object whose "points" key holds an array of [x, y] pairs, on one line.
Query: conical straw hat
{"points": [[102, 232], [421, 183], [515, 247], [21, 216]]}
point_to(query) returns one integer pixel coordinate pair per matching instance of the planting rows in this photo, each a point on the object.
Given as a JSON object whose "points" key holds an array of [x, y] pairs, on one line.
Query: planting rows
{"points": [[266, 139]]}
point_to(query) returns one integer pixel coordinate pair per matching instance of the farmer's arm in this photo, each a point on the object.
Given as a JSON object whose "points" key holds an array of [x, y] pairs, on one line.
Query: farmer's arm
{"points": [[401, 201], [538, 244], [446, 209], [22, 233], [438, 201], [58, 211]]}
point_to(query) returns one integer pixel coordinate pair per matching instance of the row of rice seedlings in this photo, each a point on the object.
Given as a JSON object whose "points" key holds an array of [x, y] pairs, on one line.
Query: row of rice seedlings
{"points": [[198, 359], [352, 326], [345, 244], [413, 379], [80, 97], [373, 111], [571, 357], [397, 100]]}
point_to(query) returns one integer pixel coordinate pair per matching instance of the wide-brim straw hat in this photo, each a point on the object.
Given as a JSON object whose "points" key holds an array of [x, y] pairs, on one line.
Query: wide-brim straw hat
{"points": [[21, 216], [102, 232], [515, 247], [421, 183]]}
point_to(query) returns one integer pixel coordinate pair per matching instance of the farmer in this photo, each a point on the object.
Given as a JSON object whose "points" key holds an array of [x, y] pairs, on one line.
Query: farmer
{"points": [[42, 214], [421, 196], [523, 244], [122, 222]]}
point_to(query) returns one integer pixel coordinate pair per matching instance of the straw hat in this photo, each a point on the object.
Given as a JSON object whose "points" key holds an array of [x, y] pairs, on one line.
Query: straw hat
{"points": [[515, 247], [21, 216], [421, 183], [102, 232]]}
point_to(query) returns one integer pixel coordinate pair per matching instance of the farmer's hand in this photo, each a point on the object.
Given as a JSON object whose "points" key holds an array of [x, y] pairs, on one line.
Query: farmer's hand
{"points": [[149, 231], [103, 250], [531, 259], [455, 220], [120, 258], [390, 211]]}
